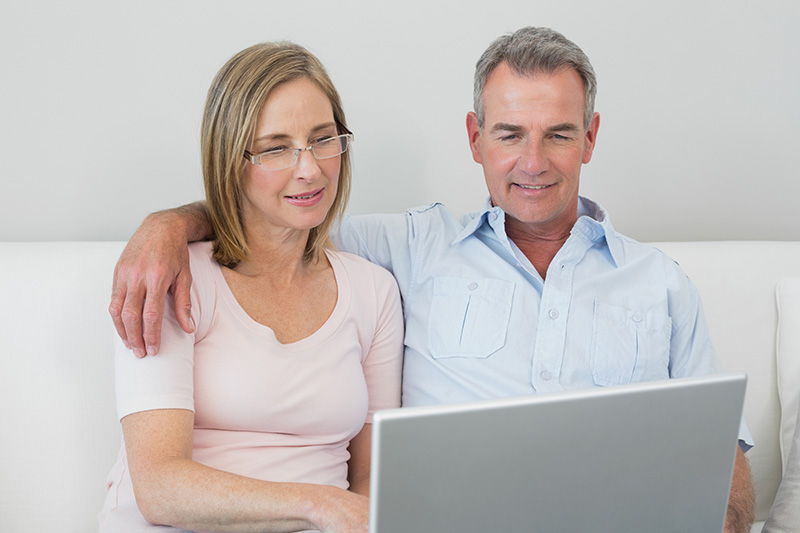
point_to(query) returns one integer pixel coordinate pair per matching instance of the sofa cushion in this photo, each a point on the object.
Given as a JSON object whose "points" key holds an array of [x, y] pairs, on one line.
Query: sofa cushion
{"points": [[788, 359]]}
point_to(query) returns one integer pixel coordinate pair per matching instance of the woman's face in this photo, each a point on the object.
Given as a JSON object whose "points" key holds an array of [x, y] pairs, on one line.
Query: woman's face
{"points": [[296, 114]]}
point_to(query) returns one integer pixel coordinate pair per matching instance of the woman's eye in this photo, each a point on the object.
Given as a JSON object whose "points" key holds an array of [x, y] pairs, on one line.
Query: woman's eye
{"points": [[322, 140]]}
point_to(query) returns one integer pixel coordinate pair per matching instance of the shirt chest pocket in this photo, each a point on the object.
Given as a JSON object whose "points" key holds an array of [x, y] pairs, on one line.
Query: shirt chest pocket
{"points": [[469, 317], [629, 346]]}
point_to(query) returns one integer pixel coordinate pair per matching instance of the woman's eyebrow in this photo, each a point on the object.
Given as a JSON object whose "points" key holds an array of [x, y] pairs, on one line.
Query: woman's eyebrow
{"points": [[284, 136]]}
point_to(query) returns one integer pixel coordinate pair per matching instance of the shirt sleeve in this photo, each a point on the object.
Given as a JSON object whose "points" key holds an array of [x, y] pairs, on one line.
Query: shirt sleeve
{"points": [[383, 363], [166, 380], [163, 381], [380, 239], [691, 350]]}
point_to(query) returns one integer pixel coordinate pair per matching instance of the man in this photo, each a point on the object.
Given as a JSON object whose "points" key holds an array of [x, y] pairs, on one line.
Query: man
{"points": [[534, 293]]}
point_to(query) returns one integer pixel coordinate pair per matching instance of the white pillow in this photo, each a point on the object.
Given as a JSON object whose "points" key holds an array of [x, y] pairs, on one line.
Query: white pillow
{"points": [[784, 516], [788, 360]]}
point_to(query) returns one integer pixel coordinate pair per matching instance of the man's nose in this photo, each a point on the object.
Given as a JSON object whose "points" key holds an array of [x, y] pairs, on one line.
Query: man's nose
{"points": [[533, 158]]}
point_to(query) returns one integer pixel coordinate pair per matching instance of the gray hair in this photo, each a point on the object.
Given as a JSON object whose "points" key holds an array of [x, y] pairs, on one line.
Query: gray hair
{"points": [[530, 51]]}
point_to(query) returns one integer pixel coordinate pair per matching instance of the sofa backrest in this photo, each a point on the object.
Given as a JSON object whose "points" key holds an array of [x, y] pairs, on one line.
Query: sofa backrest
{"points": [[60, 431], [61, 434]]}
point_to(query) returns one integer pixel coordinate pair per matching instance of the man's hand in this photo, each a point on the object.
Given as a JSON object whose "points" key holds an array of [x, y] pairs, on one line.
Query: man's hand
{"points": [[741, 500], [155, 262]]}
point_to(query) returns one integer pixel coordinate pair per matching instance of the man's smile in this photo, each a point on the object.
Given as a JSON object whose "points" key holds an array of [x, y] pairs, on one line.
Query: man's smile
{"points": [[532, 187]]}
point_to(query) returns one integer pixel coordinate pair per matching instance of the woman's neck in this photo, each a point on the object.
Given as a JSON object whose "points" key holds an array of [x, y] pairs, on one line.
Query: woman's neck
{"points": [[278, 255]]}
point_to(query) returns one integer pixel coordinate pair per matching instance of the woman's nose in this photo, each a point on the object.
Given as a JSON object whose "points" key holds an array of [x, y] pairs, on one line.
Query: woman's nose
{"points": [[307, 166]]}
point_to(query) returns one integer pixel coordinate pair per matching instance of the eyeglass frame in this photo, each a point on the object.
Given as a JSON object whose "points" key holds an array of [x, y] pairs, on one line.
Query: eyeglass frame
{"points": [[255, 159]]}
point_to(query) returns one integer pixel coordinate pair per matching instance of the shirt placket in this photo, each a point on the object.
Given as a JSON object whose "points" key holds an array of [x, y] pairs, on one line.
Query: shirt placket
{"points": [[551, 331]]}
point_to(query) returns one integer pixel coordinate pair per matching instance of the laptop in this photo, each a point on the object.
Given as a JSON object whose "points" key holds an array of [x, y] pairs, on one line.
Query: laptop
{"points": [[655, 457]]}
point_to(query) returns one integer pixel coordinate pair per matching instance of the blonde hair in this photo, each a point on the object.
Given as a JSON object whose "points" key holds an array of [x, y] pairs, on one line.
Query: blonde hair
{"points": [[234, 102]]}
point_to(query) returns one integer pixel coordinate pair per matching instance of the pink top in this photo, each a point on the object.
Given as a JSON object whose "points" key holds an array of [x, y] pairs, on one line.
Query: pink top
{"points": [[266, 410]]}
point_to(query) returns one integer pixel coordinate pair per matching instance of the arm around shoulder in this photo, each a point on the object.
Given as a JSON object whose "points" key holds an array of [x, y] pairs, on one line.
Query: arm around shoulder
{"points": [[155, 262]]}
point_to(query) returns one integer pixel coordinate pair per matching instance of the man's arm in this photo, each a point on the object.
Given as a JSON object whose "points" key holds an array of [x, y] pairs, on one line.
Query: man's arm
{"points": [[741, 500], [154, 262]]}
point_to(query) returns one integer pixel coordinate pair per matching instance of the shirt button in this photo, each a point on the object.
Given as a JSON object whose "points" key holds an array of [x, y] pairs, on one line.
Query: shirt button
{"points": [[492, 216], [472, 286], [637, 317], [545, 375], [553, 314]]}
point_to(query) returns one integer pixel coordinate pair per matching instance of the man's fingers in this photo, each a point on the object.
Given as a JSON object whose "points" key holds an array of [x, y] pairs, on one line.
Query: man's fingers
{"points": [[115, 309], [131, 317], [181, 292], [152, 314]]}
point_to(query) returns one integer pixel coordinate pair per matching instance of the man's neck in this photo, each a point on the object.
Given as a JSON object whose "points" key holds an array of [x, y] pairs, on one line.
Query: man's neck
{"points": [[540, 246]]}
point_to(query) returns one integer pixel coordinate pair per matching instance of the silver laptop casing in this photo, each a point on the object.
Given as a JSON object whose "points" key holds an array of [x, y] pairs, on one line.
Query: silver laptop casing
{"points": [[655, 457]]}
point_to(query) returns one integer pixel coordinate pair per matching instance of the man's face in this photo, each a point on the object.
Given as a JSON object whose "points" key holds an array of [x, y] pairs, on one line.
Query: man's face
{"points": [[532, 146]]}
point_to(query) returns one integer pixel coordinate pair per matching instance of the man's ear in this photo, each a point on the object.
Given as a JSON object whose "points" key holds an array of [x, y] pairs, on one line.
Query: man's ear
{"points": [[590, 139], [474, 134]]}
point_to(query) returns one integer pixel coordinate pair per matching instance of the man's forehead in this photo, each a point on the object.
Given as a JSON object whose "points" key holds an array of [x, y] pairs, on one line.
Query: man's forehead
{"points": [[555, 98]]}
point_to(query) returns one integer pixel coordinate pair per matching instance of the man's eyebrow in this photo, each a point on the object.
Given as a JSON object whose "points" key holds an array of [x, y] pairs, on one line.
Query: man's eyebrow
{"points": [[504, 126], [564, 127]]}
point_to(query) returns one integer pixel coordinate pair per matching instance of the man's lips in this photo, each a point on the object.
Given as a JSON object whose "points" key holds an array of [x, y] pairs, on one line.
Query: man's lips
{"points": [[532, 187]]}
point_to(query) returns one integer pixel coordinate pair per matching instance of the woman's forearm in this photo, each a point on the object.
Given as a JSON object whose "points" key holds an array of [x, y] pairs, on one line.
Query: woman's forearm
{"points": [[174, 490], [189, 495]]}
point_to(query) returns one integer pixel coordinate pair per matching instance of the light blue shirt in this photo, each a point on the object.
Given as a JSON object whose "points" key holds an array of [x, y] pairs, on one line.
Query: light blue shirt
{"points": [[481, 323]]}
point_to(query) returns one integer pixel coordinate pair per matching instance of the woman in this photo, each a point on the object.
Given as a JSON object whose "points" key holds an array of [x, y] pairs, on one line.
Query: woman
{"points": [[259, 420]]}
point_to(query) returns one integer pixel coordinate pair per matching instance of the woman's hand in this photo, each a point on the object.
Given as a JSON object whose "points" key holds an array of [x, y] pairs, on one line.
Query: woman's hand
{"points": [[342, 511]]}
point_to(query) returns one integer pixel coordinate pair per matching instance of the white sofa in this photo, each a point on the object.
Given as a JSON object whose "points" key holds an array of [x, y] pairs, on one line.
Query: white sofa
{"points": [[60, 434]]}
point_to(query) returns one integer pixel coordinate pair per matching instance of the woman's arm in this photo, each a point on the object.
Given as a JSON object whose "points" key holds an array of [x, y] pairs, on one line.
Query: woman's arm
{"points": [[172, 489], [358, 467], [382, 371]]}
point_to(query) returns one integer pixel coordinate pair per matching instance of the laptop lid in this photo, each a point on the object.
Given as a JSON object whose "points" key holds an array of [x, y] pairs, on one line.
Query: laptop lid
{"points": [[655, 456]]}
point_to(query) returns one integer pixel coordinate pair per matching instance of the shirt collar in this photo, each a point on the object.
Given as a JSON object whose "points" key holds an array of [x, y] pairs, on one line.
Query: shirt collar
{"points": [[593, 223], [489, 214]]}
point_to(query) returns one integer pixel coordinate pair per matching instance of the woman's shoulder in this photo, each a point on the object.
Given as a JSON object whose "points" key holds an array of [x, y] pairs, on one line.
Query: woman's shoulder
{"points": [[201, 250], [205, 272], [359, 268], [367, 282], [201, 260]]}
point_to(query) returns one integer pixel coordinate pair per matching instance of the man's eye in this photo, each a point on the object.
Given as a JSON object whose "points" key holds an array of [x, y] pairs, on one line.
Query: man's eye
{"points": [[509, 137], [559, 137]]}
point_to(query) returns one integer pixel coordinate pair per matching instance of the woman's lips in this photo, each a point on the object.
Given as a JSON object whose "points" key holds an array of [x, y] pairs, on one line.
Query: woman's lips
{"points": [[306, 199]]}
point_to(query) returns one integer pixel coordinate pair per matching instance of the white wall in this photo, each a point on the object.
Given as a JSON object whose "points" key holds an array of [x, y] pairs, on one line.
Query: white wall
{"points": [[101, 104]]}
